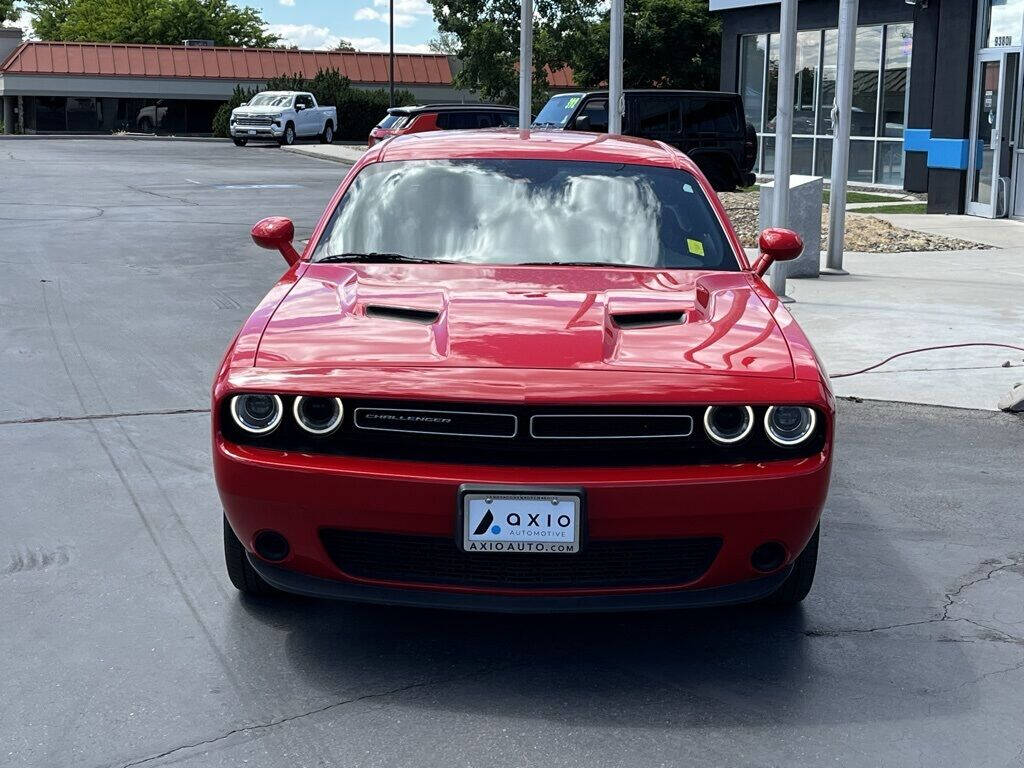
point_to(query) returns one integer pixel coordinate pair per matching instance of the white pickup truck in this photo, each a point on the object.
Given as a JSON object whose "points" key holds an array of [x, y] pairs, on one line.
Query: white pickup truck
{"points": [[283, 116]]}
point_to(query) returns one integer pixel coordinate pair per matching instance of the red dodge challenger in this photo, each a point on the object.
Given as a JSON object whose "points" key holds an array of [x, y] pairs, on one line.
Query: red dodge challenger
{"points": [[523, 373]]}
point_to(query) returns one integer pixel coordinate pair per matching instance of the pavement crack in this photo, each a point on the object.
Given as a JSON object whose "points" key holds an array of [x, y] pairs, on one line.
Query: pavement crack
{"points": [[254, 727], [100, 416], [998, 566]]}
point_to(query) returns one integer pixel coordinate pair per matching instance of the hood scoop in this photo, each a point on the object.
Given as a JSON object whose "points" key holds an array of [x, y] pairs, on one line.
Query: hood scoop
{"points": [[657, 319], [408, 314]]}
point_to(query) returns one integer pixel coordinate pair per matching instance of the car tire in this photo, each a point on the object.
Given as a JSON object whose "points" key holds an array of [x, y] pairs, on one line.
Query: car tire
{"points": [[243, 576], [240, 142], [796, 586], [327, 137], [288, 137]]}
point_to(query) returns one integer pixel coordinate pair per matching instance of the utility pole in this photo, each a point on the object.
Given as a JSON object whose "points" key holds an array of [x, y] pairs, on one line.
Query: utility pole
{"points": [[784, 134], [841, 116], [615, 105], [391, 53], [525, 65]]}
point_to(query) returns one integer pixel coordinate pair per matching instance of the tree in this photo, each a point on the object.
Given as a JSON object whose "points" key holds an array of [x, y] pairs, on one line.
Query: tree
{"points": [[8, 12], [667, 44], [344, 45], [148, 21], [486, 35]]}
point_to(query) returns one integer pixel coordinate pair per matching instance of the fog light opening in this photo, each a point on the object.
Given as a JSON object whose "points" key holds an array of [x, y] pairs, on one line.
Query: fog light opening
{"points": [[768, 557], [271, 545]]}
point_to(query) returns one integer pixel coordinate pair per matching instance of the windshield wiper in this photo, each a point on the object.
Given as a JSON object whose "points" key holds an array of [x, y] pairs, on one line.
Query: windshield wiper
{"points": [[573, 264], [380, 258]]}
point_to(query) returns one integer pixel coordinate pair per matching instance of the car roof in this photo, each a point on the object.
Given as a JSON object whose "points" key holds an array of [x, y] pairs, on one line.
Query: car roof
{"points": [[451, 107], [539, 145], [666, 91]]}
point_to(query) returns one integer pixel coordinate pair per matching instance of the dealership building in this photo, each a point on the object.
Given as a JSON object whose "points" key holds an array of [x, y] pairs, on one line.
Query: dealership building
{"points": [[101, 87], [937, 94]]}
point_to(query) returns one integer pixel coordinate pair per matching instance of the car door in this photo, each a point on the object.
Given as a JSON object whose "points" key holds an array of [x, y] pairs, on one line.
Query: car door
{"points": [[307, 120]]}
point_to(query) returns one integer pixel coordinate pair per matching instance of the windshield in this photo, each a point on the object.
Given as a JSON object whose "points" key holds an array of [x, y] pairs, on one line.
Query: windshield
{"points": [[516, 211], [391, 122], [269, 100], [557, 111]]}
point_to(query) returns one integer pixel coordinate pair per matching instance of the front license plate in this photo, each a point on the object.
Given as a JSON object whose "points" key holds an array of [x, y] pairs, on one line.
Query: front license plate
{"points": [[252, 133], [521, 522]]}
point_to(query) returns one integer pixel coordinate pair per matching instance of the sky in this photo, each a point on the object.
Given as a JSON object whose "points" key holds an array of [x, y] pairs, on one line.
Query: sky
{"points": [[364, 23]]}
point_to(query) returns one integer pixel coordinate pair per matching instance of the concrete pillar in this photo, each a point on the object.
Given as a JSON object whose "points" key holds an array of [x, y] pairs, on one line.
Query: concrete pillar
{"points": [[8, 114]]}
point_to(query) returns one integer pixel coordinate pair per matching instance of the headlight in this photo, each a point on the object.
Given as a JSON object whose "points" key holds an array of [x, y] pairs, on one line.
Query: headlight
{"points": [[789, 424], [727, 424], [318, 415], [257, 414]]}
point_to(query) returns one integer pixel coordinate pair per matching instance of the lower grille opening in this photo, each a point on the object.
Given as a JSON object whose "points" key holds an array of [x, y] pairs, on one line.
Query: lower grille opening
{"points": [[600, 563]]}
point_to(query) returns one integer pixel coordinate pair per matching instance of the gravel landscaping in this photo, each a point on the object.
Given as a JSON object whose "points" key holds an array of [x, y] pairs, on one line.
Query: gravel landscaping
{"points": [[864, 233]]}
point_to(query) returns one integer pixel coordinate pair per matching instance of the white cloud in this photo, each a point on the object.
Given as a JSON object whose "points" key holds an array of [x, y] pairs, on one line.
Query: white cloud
{"points": [[312, 37], [376, 45], [369, 14], [25, 23], [289, 3], [406, 12], [308, 36]]}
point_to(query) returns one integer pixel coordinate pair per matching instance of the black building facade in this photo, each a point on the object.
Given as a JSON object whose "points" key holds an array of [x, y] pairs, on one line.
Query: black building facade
{"points": [[937, 94]]}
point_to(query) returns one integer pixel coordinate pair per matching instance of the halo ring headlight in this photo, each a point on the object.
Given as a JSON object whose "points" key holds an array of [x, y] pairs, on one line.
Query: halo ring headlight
{"points": [[257, 414], [789, 425], [323, 423], [722, 433]]}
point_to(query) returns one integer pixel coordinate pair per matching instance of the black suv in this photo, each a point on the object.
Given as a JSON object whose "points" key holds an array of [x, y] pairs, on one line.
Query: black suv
{"points": [[709, 126]]}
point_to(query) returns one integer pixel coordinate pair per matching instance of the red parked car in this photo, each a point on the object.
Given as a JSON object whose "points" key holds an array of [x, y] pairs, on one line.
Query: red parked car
{"points": [[523, 374], [443, 117]]}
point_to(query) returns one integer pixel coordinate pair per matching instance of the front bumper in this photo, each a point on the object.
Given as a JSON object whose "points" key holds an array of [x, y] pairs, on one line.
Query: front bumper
{"points": [[298, 495], [312, 586], [256, 131]]}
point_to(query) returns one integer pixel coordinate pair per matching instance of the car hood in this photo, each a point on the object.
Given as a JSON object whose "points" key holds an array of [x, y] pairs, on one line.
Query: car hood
{"points": [[341, 315], [258, 110]]}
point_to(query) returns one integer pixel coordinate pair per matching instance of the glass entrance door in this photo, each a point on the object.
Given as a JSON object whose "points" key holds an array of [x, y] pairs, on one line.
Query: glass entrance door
{"points": [[991, 147]]}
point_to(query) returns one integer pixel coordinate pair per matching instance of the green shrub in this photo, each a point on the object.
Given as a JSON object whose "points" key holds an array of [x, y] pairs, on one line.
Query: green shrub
{"points": [[358, 109]]}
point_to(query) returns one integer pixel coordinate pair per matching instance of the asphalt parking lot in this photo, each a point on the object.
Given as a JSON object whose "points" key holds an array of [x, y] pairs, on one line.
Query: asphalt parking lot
{"points": [[127, 267]]}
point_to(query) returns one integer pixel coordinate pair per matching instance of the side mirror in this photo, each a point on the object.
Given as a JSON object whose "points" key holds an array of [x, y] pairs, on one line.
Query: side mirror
{"points": [[276, 234], [777, 245], [244, 104], [299, 107], [582, 123]]}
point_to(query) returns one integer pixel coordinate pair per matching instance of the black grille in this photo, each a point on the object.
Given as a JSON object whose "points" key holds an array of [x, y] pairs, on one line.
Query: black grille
{"points": [[434, 560], [500, 435]]}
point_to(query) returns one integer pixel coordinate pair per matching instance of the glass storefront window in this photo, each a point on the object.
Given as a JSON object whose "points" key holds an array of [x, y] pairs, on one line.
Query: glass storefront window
{"points": [[899, 42], [865, 80], [880, 91], [828, 82], [1003, 23], [890, 163], [753, 49], [808, 49], [803, 156]]}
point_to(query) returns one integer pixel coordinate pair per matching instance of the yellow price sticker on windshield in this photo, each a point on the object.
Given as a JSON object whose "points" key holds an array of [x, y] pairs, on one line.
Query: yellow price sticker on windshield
{"points": [[572, 102], [696, 247]]}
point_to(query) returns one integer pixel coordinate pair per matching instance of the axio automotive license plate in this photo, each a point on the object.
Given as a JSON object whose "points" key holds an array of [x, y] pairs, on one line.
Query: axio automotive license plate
{"points": [[252, 133], [509, 522]]}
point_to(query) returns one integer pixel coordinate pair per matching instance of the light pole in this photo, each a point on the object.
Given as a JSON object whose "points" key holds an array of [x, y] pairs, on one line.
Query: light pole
{"points": [[784, 134], [391, 53], [615, 68], [841, 116], [525, 65]]}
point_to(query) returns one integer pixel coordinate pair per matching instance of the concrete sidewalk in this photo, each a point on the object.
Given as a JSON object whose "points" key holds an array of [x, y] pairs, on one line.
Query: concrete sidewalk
{"points": [[891, 303], [347, 154], [1001, 233]]}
